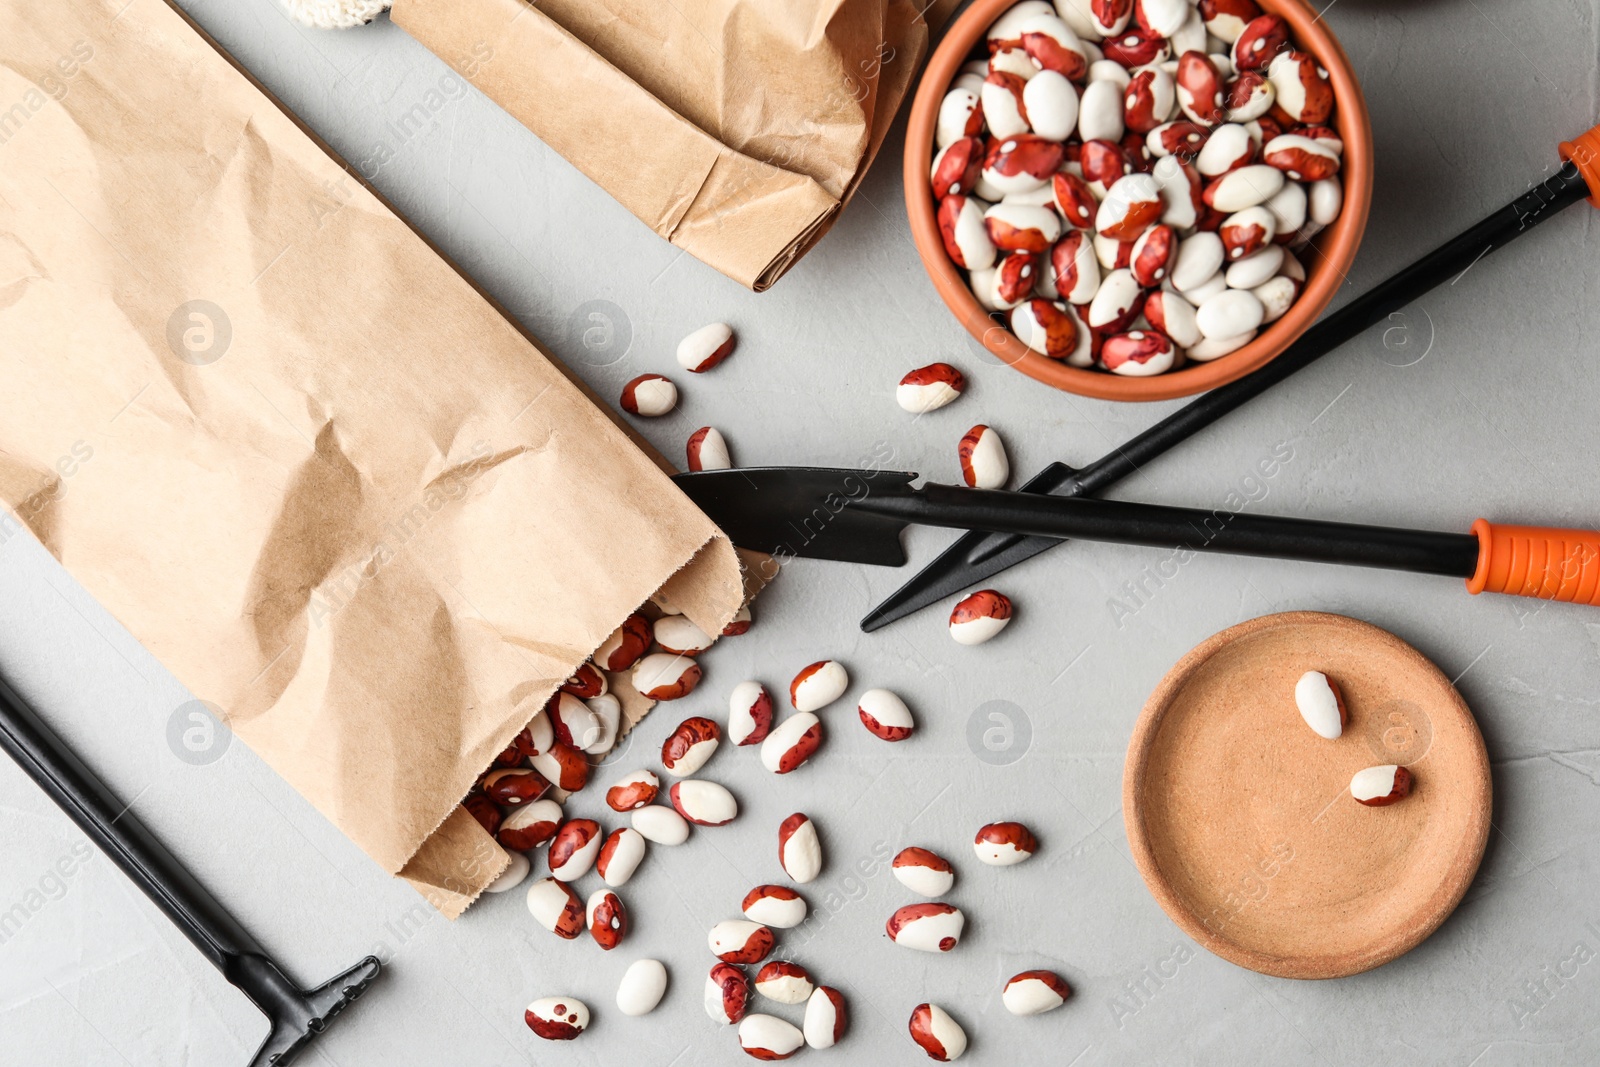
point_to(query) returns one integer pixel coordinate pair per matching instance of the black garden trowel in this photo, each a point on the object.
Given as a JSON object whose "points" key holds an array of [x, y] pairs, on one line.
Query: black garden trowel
{"points": [[857, 516]]}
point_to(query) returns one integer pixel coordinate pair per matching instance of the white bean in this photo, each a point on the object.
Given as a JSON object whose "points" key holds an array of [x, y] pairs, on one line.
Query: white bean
{"points": [[643, 985], [1276, 296], [1246, 187], [1228, 314], [1213, 348], [1255, 269], [1325, 198], [1199, 257], [1052, 105], [1099, 111]]}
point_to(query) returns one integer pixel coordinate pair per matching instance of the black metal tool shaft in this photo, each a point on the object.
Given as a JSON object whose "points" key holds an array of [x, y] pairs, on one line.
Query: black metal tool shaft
{"points": [[977, 556], [296, 1015], [1199, 530]]}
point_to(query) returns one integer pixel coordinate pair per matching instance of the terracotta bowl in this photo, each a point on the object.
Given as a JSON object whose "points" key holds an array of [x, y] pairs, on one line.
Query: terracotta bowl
{"points": [[1240, 818], [1327, 260]]}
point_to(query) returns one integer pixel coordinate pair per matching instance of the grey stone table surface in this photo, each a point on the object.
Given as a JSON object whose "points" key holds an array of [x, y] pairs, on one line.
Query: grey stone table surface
{"points": [[1480, 399]]}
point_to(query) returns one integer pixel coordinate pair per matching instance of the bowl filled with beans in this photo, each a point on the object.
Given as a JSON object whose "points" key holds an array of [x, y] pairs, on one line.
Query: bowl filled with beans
{"points": [[1138, 199]]}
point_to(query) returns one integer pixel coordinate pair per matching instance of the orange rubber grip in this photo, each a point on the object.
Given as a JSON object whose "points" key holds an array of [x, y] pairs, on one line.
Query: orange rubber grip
{"points": [[1538, 561], [1583, 152]]}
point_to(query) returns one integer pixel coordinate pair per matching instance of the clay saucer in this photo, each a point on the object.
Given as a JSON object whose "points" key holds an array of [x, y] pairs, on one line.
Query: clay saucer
{"points": [[1241, 820]]}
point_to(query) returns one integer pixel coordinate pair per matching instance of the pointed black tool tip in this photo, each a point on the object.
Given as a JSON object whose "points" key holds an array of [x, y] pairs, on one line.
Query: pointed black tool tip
{"points": [[969, 559], [876, 619], [909, 598]]}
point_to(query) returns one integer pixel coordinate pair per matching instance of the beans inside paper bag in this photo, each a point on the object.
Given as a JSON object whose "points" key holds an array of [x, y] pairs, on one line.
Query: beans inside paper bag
{"points": [[312, 469]]}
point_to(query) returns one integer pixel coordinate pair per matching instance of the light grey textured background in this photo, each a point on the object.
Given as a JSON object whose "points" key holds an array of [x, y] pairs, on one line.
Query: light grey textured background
{"points": [[1480, 399]]}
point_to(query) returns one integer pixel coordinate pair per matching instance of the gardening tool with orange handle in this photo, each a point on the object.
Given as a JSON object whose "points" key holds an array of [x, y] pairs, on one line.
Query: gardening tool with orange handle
{"points": [[977, 556], [1538, 561], [857, 515]]}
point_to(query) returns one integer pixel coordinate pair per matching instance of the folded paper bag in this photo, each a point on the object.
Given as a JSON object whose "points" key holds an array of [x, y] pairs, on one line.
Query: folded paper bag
{"points": [[736, 129], [291, 449]]}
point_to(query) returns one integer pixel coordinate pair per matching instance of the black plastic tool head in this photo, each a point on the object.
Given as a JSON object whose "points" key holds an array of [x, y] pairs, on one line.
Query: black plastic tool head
{"points": [[803, 511], [970, 559], [297, 1016]]}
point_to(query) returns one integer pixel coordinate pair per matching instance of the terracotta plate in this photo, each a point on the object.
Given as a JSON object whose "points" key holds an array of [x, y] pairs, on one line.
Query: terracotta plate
{"points": [[1241, 819]]}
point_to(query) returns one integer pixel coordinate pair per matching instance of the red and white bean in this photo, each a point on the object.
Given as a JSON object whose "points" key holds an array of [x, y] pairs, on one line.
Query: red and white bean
{"points": [[825, 1018], [966, 238], [703, 803], [606, 918], [633, 790], [799, 848], [706, 347], [979, 617], [740, 941], [1048, 326], [529, 826], [556, 908], [923, 872], [928, 389], [620, 856], [818, 685], [767, 1037], [678, 635], [572, 720], [960, 115], [649, 396], [749, 713], [775, 906], [1002, 844], [689, 746], [1226, 19], [665, 676], [623, 648], [727, 993], [557, 1018], [1378, 787], [573, 849], [885, 715], [1138, 353], [791, 743], [1034, 992], [926, 927], [515, 786], [784, 982], [940, 1036], [983, 459], [1004, 111]]}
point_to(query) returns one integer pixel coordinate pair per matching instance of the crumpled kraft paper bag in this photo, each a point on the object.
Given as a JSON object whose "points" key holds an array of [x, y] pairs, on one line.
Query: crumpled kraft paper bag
{"points": [[291, 449], [736, 129]]}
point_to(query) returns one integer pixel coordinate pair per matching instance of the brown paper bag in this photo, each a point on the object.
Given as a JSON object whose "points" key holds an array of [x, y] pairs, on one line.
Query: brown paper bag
{"points": [[736, 129], [291, 449]]}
